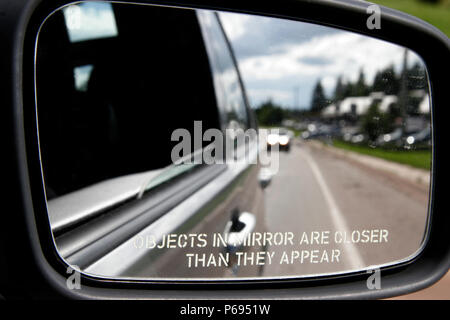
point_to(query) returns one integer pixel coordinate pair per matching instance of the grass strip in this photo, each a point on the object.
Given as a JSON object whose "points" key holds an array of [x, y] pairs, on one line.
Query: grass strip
{"points": [[415, 158]]}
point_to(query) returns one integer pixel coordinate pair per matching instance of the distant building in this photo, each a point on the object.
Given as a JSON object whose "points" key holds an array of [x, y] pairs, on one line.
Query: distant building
{"points": [[288, 123], [387, 102], [329, 111], [424, 106], [354, 106], [358, 106]]}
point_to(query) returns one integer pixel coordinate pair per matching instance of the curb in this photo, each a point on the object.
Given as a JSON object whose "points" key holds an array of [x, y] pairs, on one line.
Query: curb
{"points": [[405, 172]]}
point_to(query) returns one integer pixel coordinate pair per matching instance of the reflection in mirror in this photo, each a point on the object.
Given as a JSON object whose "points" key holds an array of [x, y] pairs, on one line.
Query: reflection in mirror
{"points": [[182, 144]]}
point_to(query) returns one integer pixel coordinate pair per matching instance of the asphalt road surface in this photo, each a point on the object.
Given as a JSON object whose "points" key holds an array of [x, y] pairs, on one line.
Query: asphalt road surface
{"points": [[344, 216]]}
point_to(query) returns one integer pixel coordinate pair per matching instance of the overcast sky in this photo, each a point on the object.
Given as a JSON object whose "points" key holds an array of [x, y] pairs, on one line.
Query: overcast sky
{"points": [[283, 60]]}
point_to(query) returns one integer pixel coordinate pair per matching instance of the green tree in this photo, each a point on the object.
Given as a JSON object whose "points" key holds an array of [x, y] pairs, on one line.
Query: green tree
{"points": [[417, 77], [374, 122], [269, 113], [360, 89], [348, 89], [318, 101], [386, 81], [339, 90]]}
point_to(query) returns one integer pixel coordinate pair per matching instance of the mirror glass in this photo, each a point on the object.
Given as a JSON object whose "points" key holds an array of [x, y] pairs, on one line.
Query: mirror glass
{"points": [[181, 144]]}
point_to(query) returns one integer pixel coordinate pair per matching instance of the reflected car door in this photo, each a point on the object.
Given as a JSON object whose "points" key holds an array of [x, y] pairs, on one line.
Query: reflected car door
{"points": [[117, 206], [231, 203]]}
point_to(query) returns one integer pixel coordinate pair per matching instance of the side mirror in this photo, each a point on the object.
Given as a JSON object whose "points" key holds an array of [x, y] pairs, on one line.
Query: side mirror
{"points": [[117, 121]]}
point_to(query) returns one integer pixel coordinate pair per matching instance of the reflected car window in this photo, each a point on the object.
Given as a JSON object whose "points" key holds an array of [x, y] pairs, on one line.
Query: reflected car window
{"points": [[82, 75], [86, 21], [229, 93], [107, 107]]}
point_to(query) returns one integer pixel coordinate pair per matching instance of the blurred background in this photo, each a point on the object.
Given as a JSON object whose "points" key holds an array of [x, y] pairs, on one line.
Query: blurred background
{"points": [[372, 100], [437, 13]]}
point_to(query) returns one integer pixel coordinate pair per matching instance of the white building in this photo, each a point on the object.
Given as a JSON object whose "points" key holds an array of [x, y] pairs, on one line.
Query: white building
{"points": [[354, 105], [424, 106], [359, 105], [329, 111], [386, 103]]}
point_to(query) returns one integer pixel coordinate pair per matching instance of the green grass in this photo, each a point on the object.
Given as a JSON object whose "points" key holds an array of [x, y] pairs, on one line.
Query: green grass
{"points": [[297, 133], [415, 158], [435, 14]]}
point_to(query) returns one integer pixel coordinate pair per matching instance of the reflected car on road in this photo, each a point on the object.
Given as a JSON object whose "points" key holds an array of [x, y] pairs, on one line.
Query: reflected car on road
{"points": [[393, 138], [421, 139], [281, 137], [316, 131]]}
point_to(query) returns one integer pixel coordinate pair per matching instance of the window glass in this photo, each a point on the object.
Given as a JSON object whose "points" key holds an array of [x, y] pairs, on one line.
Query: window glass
{"points": [[93, 20], [82, 75], [229, 93], [107, 109]]}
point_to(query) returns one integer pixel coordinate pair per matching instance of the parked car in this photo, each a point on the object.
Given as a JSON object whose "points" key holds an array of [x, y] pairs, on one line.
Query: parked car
{"points": [[358, 137], [417, 140], [321, 131], [393, 138]]}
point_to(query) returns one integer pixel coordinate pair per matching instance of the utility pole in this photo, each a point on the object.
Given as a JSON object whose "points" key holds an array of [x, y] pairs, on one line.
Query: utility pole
{"points": [[403, 92], [296, 91]]}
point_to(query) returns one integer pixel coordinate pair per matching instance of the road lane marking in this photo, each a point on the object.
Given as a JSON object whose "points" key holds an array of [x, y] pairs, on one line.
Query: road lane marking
{"points": [[338, 219]]}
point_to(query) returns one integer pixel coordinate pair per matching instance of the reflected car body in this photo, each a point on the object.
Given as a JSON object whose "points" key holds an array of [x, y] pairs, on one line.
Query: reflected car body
{"points": [[106, 146]]}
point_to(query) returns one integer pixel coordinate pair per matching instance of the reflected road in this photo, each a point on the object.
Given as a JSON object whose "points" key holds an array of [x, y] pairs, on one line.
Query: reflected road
{"points": [[318, 191]]}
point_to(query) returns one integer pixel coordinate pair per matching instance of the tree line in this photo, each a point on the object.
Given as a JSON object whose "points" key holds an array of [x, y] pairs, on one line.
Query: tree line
{"points": [[386, 80]]}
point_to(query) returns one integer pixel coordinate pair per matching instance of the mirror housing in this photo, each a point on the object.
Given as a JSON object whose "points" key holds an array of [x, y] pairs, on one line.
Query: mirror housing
{"points": [[31, 265]]}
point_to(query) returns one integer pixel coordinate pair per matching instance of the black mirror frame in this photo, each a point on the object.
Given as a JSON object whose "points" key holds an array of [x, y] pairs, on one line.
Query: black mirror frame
{"points": [[29, 264]]}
